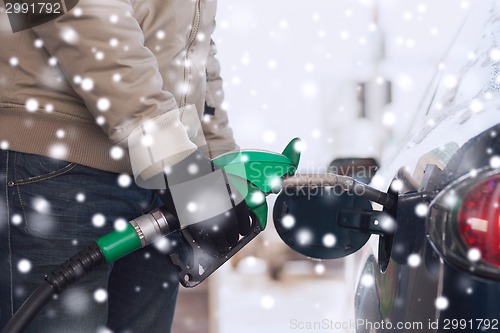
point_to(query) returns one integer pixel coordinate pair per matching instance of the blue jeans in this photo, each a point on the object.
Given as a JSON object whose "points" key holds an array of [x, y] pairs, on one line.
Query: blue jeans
{"points": [[49, 210]]}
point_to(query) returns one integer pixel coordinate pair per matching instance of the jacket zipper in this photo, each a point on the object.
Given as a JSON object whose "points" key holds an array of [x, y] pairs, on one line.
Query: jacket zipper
{"points": [[191, 39]]}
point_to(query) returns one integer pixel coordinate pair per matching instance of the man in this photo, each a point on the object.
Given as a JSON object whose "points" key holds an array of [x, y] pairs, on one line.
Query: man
{"points": [[72, 91]]}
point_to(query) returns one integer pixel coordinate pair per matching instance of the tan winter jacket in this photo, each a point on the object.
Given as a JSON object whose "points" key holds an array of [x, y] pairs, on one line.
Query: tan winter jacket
{"points": [[76, 87]]}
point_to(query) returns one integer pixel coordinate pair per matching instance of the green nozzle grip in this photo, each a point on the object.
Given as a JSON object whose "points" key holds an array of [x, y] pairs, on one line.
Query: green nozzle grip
{"points": [[119, 243]]}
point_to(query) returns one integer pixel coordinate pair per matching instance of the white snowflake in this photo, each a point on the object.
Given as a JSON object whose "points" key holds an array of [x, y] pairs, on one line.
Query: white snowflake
{"points": [[245, 60], [441, 303], [367, 280], [124, 180], [87, 84], [41, 205], [13, 61], [389, 118], [288, 221], [80, 197], [163, 245], [99, 56], [309, 89], [269, 136], [100, 295], [60, 133], [167, 170], [388, 224], [77, 12], [451, 199], [421, 209], [344, 35], [414, 260], [120, 224], [147, 140], [31, 105], [304, 237], [283, 24], [407, 15], [299, 146], [474, 255], [116, 152], [201, 37], [329, 240], [272, 64], [113, 18], [258, 197], [76, 301], [113, 42], [193, 168], [98, 220], [160, 34], [267, 302], [69, 35], [58, 151], [236, 80], [103, 104], [103, 330], [52, 61], [319, 269], [397, 185], [117, 77], [16, 219], [476, 106], [38, 43], [24, 266], [100, 120], [450, 81], [495, 162], [495, 55], [192, 207]]}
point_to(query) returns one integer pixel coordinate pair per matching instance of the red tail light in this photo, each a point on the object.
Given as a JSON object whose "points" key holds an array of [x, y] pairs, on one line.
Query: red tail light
{"points": [[479, 221], [463, 223]]}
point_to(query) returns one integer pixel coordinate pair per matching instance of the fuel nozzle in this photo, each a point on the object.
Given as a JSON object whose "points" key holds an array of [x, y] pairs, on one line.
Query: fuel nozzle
{"points": [[254, 174]]}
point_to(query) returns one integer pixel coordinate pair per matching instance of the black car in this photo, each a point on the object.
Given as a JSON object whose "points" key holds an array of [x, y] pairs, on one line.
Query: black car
{"points": [[435, 264]]}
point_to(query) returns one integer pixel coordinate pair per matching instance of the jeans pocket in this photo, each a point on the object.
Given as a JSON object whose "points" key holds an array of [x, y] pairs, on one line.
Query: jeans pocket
{"points": [[30, 169]]}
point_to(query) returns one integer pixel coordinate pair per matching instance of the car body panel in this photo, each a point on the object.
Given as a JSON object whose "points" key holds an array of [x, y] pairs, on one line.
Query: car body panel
{"points": [[454, 134]]}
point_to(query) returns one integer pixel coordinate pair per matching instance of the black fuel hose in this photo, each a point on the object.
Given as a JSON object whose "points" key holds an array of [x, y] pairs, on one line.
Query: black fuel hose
{"points": [[30, 308], [71, 271]]}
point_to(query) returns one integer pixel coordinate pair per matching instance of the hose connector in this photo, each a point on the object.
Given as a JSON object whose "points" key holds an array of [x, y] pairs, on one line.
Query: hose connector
{"points": [[157, 223]]}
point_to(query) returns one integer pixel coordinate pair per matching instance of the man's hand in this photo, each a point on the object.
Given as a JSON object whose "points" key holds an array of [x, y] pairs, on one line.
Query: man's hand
{"points": [[206, 204]]}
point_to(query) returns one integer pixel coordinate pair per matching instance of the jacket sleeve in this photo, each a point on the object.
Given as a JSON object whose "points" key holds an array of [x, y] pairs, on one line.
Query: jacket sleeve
{"points": [[216, 128], [84, 42]]}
